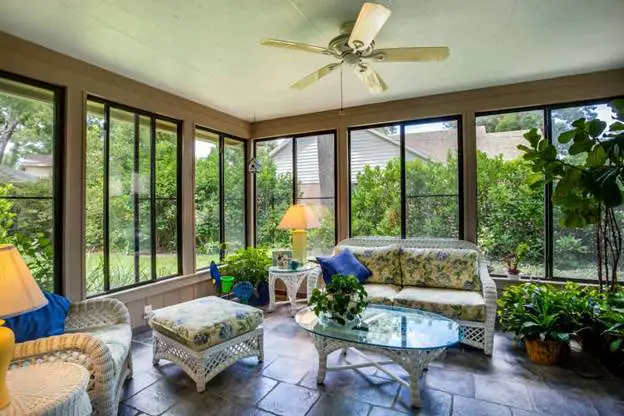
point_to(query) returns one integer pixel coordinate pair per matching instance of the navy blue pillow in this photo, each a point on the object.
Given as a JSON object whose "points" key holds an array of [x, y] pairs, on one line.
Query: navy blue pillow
{"points": [[44, 322], [343, 263]]}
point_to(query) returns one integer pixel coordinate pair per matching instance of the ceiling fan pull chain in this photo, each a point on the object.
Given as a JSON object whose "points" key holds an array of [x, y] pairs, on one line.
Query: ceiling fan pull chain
{"points": [[341, 112]]}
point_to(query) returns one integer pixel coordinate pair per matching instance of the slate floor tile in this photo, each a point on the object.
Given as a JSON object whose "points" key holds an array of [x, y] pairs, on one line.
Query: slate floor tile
{"points": [[286, 399], [451, 381], [432, 402], [382, 411], [289, 370], [505, 392], [155, 399], [464, 406], [331, 405]]}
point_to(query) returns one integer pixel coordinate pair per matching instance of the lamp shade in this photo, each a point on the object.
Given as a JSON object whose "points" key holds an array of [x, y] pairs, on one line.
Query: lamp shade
{"points": [[19, 293], [299, 217]]}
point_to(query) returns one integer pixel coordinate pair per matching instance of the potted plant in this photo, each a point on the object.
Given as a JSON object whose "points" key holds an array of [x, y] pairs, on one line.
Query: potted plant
{"points": [[535, 314], [341, 302], [251, 265], [513, 260], [611, 321], [587, 181]]}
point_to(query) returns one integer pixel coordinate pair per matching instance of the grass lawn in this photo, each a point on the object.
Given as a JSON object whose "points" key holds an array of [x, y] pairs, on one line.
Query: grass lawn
{"points": [[122, 269]]}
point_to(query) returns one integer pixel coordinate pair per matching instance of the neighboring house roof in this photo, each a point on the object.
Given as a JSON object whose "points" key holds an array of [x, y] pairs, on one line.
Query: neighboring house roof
{"points": [[373, 147], [10, 175], [37, 160]]}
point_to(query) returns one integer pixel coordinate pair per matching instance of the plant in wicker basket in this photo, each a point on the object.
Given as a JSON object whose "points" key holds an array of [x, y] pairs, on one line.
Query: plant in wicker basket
{"points": [[537, 313], [342, 301]]}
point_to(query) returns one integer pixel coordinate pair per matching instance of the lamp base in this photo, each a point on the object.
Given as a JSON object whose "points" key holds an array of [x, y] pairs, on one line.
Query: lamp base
{"points": [[299, 240], [7, 346]]}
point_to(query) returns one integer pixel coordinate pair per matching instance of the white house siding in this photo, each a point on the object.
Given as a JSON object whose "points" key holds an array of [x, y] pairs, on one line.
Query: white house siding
{"points": [[282, 157], [369, 149]]}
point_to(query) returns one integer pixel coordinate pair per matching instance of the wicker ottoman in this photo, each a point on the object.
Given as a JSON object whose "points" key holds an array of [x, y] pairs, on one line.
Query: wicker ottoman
{"points": [[206, 335]]}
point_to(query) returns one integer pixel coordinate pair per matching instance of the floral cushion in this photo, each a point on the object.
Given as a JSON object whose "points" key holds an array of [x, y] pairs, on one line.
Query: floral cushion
{"points": [[383, 262], [456, 304], [117, 338], [442, 268], [382, 294], [204, 322]]}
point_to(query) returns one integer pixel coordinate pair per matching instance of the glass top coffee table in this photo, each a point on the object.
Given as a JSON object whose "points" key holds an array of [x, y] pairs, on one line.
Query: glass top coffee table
{"points": [[409, 337]]}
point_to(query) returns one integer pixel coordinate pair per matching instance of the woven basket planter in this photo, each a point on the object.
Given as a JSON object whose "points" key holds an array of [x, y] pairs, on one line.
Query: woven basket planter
{"points": [[545, 352]]}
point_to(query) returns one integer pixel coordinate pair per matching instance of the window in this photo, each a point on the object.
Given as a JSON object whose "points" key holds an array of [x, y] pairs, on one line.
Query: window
{"points": [[510, 213], [31, 149], [405, 179], [296, 170], [219, 196], [132, 195]]}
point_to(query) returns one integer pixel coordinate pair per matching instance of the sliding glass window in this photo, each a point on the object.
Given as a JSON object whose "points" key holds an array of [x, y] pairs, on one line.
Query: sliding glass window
{"points": [[220, 168], [31, 169], [405, 179], [132, 197], [296, 170], [511, 213]]}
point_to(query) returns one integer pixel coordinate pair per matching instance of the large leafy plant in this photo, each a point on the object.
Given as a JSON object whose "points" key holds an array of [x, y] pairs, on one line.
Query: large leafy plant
{"points": [[344, 299], [248, 264], [587, 181], [535, 312]]}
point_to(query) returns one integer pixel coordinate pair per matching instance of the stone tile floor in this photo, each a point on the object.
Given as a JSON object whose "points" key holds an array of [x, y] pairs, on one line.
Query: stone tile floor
{"points": [[463, 382]]}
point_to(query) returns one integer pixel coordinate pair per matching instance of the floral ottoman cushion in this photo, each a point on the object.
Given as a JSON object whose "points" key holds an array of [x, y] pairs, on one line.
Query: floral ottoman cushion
{"points": [[204, 322]]}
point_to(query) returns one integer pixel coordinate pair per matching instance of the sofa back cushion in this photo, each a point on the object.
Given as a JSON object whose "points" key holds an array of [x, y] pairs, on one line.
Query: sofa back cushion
{"points": [[383, 262], [441, 268]]}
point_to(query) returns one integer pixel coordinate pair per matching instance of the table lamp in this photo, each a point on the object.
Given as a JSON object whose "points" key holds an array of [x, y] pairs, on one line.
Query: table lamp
{"points": [[19, 293], [299, 218]]}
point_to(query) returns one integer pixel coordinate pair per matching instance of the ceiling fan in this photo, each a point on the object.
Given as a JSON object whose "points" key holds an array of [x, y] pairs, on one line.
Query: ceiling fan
{"points": [[355, 47]]}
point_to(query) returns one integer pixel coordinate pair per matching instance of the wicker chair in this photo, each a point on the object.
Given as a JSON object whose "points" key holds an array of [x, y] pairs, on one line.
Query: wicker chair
{"points": [[479, 334], [98, 336]]}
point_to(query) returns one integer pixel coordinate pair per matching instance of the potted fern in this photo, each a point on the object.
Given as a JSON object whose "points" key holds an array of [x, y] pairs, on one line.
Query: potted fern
{"points": [[251, 265], [341, 302]]}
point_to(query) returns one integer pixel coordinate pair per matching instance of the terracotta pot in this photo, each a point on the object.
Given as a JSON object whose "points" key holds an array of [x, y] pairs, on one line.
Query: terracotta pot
{"points": [[546, 352]]}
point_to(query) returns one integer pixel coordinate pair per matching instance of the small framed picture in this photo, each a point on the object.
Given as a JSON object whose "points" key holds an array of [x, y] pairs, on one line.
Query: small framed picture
{"points": [[281, 258]]}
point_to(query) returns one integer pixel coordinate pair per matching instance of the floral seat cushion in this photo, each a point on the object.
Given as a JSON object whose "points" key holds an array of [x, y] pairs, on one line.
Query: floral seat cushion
{"points": [[381, 294], [383, 262], [117, 338], [463, 305], [204, 322], [441, 268]]}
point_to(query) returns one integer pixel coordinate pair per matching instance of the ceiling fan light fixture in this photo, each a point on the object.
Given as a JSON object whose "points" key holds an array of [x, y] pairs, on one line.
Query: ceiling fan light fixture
{"points": [[369, 22]]}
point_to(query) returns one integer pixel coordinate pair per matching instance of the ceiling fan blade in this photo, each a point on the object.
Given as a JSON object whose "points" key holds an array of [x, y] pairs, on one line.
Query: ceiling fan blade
{"points": [[369, 22], [315, 76], [304, 47], [371, 79], [424, 54]]}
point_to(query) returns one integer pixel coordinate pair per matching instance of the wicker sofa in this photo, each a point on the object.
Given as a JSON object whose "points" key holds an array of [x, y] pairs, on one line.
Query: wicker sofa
{"points": [[98, 336], [440, 275]]}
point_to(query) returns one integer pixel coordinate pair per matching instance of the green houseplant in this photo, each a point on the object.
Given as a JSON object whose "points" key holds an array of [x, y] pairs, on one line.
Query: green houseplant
{"points": [[342, 301], [514, 259], [536, 314], [586, 167], [250, 265]]}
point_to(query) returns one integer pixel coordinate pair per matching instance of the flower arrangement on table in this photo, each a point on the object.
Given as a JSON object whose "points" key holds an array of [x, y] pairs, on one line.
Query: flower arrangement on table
{"points": [[341, 302]]}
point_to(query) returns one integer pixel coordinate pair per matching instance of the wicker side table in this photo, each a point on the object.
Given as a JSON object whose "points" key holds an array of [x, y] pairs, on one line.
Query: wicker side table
{"points": [[292, 280], [48, 389]]}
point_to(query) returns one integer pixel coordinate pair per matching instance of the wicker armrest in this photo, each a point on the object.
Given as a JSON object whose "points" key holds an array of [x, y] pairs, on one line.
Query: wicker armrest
{"points": [[488, 286], [83, 349], [96, 312]]}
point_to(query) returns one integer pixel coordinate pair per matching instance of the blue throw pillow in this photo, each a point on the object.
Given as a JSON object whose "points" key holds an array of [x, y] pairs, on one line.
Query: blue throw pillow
{"points": [[44, 322], [343, 263]]}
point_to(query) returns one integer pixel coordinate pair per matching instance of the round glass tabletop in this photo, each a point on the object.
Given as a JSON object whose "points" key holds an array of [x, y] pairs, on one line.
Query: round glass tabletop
{"points": [[389, 326], [304, 268]]}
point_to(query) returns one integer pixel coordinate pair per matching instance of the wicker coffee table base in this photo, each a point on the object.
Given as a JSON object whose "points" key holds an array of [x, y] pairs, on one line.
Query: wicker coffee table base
{"points": [[202, 366], [414, 361]]}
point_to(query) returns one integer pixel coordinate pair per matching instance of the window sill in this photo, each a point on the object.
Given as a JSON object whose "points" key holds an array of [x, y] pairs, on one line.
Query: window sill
{"points": [[158, 287]]}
